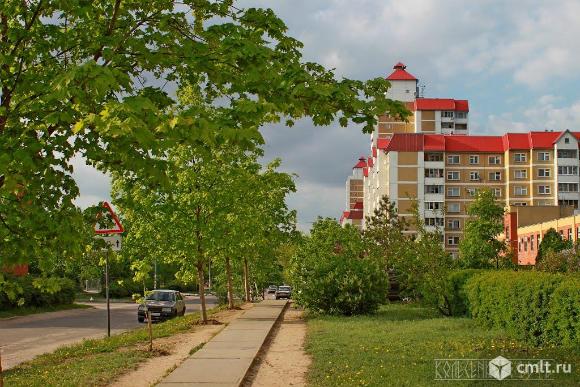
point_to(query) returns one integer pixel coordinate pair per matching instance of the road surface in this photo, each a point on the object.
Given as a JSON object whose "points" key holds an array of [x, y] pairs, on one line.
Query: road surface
{"points": [[23, 338]]}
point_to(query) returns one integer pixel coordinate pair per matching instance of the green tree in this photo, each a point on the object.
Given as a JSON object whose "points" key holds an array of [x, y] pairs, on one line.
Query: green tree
{"points": [[332, 273], [480, 247], [551, 241], [88, 78]]}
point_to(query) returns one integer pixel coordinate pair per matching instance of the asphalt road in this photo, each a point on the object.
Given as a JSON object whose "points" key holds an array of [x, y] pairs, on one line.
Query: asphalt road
{"points": [[23, 338]]}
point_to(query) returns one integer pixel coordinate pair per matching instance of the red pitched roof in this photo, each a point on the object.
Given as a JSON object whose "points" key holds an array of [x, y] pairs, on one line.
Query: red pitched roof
{"points": [[374, 151], [370, 162], [358, 206], [344, 216], [434, 142], [400, 74], [474, 143], [441, 104], [365, 172], [543, 140], [406, 142], [362, 162], [382, 143]]}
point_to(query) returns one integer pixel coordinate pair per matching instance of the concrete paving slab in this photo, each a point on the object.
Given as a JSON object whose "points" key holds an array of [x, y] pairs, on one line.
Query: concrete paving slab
{"points": [[225, 360]]}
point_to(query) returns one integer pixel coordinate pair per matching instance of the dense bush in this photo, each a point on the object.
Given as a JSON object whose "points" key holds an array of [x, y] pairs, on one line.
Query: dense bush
{"points": [[54, 291], [563, 325], [519, 302], [123, 288], [331, 273], [454, 299]]}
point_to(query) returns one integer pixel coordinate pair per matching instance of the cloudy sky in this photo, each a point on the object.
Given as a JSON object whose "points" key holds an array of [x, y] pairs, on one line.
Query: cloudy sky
{"points": [[517, 62]]}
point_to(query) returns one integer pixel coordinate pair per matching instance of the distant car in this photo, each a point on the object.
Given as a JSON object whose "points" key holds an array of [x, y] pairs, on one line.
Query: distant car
{"points": [[163, 305], [272, 289], [283, 292]]}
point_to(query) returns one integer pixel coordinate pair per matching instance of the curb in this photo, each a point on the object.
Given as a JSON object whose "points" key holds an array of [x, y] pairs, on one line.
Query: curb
{"points": [[250, 374]]}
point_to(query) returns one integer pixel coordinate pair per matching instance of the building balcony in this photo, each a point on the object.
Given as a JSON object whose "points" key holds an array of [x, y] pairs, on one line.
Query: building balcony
{"points": [[435, 164], [434, 181]]}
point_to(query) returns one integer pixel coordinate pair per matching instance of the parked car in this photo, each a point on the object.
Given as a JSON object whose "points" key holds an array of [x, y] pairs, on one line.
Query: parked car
{"points": [[283, 292], [272, 289], [163, 305]]}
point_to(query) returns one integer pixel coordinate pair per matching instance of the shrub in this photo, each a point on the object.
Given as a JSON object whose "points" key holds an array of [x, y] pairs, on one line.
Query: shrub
{"points": [[563, 326], [454, 299], [40, 292], [518, 302], [331, 273]]}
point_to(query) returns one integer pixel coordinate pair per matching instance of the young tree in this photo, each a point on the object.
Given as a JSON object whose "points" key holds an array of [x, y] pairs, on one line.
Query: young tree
{"points": [[88, 78], [480, 247], [552, 241]]}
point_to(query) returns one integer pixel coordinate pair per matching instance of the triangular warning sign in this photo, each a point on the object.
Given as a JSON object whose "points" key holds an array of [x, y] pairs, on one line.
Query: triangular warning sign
{"points": [[110, 215]]}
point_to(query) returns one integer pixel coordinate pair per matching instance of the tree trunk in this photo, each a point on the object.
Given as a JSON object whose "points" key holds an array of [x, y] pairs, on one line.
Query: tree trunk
{"points": [[247, 281], [201, 281], [229, 284]]}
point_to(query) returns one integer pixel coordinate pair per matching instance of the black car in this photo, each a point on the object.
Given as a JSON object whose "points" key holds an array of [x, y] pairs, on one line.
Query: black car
{"points": [[283, 292], [163, 304]]}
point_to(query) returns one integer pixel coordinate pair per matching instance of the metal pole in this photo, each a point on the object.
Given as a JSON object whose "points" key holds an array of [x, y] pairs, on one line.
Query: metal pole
{"points": [[155, 276], [107, 293], [209, 273]]}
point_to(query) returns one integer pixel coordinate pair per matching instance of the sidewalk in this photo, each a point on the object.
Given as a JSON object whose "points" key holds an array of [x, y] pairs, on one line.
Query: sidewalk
{"points": [[225, 360]]}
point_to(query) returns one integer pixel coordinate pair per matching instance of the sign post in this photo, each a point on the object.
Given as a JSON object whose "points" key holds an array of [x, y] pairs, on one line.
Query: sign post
{"points": [[114, 243]]}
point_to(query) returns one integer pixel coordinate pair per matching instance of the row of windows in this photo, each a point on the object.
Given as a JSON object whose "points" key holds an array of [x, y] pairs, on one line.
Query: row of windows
{"points": [[523, 191], [534, 241], [452, 224], [438, 206], [518, 174], [473, 175], [495, 160]]}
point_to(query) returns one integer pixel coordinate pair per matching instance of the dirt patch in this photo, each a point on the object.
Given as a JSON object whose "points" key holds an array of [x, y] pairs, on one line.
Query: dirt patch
{"points": [[174, 350], [285, 362]]}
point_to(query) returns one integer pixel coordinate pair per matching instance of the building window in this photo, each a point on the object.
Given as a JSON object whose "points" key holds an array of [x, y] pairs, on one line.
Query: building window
{"points": [[453, 159], [453, 191], [497, 192], [521, 174], [434, 189], [521, 204], [436, 222], [452, 240], [566, 140], [520, 191], [471, 191], [569, 234], [473, 175], [460, 114], [532, 243], [453, 207], [544, 172], [544, 156], [447, 125], [433, 172], [568, 187], [453, 224], [494, 160], [495, 176], [453, 175], [434, 206], [544, 189], [434, 157], [447, 114], [520, 158], [474, 159], [567, 154], [568, 170]]}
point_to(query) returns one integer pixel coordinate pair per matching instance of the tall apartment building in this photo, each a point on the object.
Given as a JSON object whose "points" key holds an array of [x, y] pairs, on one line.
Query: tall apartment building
{"points": [[354, 196], [444, 172]]}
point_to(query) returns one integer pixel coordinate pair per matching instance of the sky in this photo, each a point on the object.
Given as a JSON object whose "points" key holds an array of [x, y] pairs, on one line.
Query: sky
{"points": [[517, 62]]}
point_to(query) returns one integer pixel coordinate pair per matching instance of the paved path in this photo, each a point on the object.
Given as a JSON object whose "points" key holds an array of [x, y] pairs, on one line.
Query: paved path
{"points": [[225, 360], [23, 338]]}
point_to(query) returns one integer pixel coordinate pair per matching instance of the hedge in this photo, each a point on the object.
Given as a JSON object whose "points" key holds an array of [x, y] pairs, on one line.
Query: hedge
{"points": [[34, 296], [536, 307], [455, 301]]}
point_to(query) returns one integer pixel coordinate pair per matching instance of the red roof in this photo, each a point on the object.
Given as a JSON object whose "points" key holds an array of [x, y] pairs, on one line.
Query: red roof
{"points": [[382, 143], [365, 172], [362, 162], [370, 162], [374, 151], [441, 104], [414, 142], [344, 216], [358, 206], [400, 74]]}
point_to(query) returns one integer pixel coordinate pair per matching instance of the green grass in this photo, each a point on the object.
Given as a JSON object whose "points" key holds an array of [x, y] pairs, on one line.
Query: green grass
{"points": [[26, 310], [398, 345], [96, 362]]}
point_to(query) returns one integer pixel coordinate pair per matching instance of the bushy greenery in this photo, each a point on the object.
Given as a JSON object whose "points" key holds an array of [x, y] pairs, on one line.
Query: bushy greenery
{"points": [[552, 242], [331, 272], [30, 291], [563, 326], [533, 306], [454, 299], [559, 260]]}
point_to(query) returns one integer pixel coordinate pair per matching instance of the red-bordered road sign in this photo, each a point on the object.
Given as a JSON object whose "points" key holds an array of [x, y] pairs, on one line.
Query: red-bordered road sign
{"points": [[117, 230]]}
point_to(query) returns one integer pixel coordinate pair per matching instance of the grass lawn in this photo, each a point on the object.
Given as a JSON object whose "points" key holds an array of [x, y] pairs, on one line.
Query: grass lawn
{"points": [[26, 310], [96, 362], [398, 345]]}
